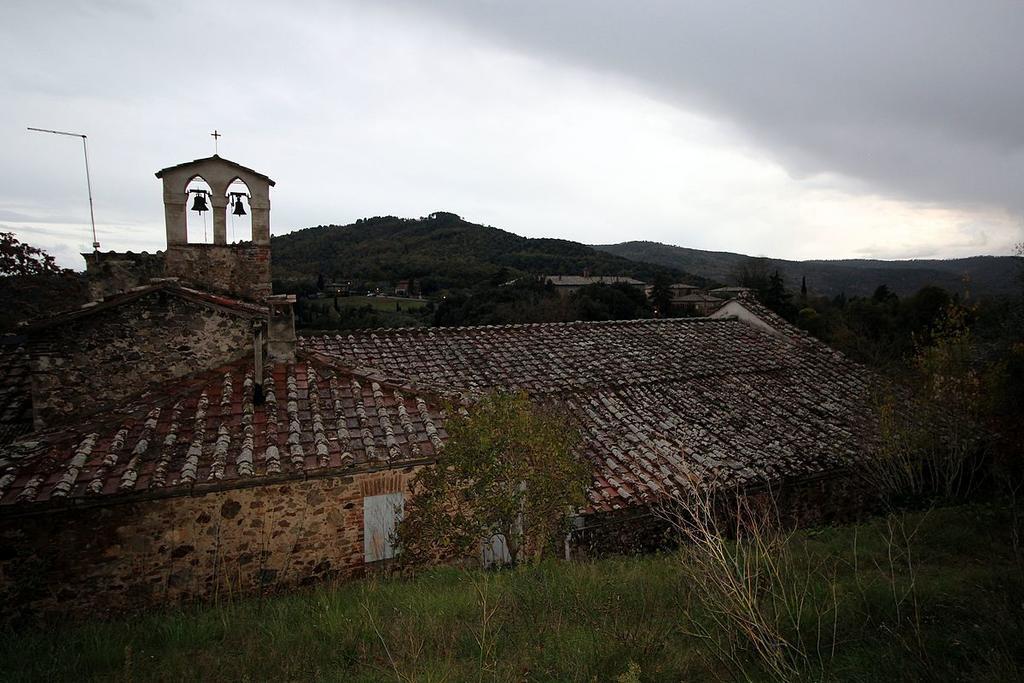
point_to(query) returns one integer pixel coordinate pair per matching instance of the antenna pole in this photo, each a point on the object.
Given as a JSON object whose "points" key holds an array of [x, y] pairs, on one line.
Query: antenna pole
{"points": [[88, 183], [88, 179]]}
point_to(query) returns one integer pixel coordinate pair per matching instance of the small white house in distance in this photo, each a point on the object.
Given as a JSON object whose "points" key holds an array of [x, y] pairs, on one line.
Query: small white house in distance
{"points": [[567, 284], [749, 310]]}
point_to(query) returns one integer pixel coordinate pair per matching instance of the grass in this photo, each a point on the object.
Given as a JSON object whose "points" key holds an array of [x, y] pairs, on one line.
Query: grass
{"points": [[947, 606], [381, 303]]}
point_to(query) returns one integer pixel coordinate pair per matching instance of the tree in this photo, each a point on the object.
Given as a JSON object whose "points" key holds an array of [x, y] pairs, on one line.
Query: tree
{"points": [[618, 301], [32, 284], [934, 440], [509, 468], [883, 295], [776, 297], [18, 258], [753, 273], [661, 294], [320, 282]]}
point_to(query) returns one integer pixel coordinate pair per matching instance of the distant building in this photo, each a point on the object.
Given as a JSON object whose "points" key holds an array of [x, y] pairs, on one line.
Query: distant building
{"points": [[700, 302], [731, 292], [687, 297], [682, 289], [403, 288], [567, 284]]}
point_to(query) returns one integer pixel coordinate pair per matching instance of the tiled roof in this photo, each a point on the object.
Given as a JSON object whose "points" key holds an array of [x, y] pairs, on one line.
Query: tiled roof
{"points": [[770, 318], [695, 298], [733, 430], [206, 431], [15, 390], [557, 357], [197, 162], [661, 403]]}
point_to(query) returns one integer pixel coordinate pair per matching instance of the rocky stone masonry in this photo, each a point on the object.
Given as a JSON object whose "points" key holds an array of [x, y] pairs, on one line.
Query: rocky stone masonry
{"points": [[836, 497], [240, 270], [663, 405], [15, 389], [264, 536], [111, 272], [90, 359]]}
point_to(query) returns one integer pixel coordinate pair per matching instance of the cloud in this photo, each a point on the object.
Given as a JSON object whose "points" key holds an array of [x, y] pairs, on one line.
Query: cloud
{"points": [[795, 132], [919, 99]]}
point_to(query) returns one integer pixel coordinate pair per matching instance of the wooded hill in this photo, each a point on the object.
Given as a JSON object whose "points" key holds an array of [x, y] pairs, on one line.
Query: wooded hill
{"points": [[981, 275], [441, 251]]}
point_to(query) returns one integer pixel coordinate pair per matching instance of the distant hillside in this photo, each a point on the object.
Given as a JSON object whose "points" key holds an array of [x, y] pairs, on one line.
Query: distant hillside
{"points": [[441, 251], [986, 275]]}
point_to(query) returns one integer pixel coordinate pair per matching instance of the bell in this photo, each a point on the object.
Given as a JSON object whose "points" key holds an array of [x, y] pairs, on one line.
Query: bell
{"points": [[239, 208], [199, 205]]}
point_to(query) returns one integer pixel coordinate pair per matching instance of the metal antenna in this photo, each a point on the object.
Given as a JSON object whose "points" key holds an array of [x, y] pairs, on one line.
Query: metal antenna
{"points": [[88, 180]]}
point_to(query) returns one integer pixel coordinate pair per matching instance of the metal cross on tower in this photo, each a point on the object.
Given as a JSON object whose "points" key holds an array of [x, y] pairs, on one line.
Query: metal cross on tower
{"points": [[215, 135]]}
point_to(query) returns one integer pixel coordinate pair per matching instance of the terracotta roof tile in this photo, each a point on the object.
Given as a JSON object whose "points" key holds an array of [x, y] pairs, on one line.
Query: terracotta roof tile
{"points": [[206, 430], [663, 405]]}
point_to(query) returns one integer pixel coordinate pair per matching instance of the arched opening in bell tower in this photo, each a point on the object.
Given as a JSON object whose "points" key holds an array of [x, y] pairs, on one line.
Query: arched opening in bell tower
{"points": [[239, 212], [199, 211]]}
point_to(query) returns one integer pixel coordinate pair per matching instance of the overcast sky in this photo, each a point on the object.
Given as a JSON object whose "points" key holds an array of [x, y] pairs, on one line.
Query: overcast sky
{"points": [[797, 130]]}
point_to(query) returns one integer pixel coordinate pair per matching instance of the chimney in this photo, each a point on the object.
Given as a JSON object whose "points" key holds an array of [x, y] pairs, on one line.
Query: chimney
{"points": [[281, 328]]}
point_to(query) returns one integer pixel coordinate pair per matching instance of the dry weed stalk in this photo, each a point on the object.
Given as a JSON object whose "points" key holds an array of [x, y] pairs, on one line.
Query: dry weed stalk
{"points": [[487, 632], [754, 591]]}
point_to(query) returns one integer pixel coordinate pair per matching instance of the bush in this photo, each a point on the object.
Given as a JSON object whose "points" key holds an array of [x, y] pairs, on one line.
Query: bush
{"points": [[509, 468]]}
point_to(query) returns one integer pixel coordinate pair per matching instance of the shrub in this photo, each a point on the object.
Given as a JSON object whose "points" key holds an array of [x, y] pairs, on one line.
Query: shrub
{"points": [[509, 468]]}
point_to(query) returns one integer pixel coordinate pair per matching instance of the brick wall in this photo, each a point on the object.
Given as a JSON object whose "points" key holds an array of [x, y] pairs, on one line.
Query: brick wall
{"points": [[115, 558], [241, 270], [86, 364]]}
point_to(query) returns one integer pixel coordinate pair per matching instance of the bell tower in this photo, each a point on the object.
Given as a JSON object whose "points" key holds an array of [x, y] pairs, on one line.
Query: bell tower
{"points": [[241, 269]]}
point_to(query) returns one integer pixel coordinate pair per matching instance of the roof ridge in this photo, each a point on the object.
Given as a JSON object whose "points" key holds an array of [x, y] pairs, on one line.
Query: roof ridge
{"points": [[163, 171], [509, 326], [169, 285]]}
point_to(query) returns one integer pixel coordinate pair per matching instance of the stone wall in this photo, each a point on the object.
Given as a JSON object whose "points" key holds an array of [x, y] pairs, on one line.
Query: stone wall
{"points": [[111, 272], [109, 559], [814, 501], [85, 364], [241, 270], [266, 536]]}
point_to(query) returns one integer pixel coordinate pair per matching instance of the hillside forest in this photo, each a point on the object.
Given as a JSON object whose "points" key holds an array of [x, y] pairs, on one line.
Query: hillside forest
{"points": [[468, 274]]}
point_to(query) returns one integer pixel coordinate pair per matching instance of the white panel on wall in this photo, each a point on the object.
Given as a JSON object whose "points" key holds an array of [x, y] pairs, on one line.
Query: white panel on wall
{"points": [[380, 517], [495, 551]]}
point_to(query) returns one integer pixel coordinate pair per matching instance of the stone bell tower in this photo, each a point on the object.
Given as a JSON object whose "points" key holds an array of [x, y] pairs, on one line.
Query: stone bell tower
{"points": [[241, 269]]}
